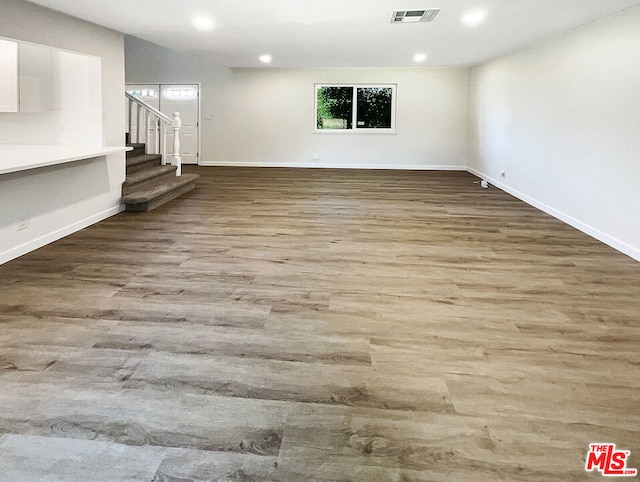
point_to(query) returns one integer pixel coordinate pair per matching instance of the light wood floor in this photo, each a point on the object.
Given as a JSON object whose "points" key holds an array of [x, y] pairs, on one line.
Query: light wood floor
{"points": [[300, 325]]}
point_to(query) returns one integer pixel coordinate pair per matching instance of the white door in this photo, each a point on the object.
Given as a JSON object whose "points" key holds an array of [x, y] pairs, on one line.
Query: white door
{"points": [[183, 99]]}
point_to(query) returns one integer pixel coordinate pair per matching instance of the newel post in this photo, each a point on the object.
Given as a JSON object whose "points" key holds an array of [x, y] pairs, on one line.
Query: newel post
{"points": [[176, 124]]}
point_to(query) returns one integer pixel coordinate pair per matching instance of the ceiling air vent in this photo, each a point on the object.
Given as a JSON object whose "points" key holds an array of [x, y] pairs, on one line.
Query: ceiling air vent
{"points": [[414, 16]]}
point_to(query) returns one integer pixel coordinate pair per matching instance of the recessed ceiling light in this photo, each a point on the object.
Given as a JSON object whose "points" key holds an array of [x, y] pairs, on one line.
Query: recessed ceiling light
{"points": [[265, 59], [202, 23], [474, 18], [419, 57]]}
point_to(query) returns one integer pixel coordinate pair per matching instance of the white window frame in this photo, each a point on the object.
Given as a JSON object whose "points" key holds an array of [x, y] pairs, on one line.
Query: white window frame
{"points": [[143, 93], [354, 129]]}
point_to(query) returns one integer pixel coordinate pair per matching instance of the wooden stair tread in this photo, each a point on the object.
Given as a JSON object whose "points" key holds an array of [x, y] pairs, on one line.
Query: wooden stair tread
{"points": [[163, 198], [146, 174], [148, 183], [158, 190], [141, 159], [136, 150]]}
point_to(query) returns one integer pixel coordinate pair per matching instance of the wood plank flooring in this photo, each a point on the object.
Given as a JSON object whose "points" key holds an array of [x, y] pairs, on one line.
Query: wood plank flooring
{"points": [[329, 325]]}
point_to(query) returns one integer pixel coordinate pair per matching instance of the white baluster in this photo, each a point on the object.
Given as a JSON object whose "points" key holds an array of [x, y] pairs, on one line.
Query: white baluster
{"points": [[156, 135], [163, 143], [152, 133], [130, 131], [139, 115], [176, 124], [146, 129]]}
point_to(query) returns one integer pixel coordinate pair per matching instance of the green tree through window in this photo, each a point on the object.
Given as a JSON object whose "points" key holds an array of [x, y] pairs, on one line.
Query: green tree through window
{"points": [[335, 108], [374, 108], [354, 107]]}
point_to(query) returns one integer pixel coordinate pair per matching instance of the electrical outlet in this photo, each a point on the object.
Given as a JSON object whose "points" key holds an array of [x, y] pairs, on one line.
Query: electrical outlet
{"points": [[23, 222], [316, 157], [503, 173]]}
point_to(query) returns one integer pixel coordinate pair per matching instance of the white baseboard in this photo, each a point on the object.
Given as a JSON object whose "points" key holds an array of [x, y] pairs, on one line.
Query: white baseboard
{"points": [[585, 228], [41, 241], [317, 165]]}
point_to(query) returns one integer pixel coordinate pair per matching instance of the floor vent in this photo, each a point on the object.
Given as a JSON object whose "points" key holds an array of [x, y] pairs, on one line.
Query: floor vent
{"points": [[414, 16]]}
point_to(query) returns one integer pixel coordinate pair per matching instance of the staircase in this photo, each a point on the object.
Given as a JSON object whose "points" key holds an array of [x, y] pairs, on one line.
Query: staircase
{"points": [[151, 180], [149, 183]]}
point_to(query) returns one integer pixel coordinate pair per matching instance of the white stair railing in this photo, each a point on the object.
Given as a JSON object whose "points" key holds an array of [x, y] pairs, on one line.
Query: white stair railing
{"points": [[151, 129]]}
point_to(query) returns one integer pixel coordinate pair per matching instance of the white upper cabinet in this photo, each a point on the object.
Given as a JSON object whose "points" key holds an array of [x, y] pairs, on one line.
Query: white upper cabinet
{"points": [[35, 78], [38, 78], [8, 76], [25, 77]]}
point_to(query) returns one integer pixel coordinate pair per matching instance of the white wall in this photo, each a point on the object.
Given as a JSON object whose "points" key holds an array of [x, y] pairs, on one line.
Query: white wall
{"points": [[148, 63], [269, 120], [265, 117], [62, 199], [562, 118]]}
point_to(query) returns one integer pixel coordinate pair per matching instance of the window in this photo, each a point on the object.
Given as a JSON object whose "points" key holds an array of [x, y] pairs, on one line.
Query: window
{"points": [[142, 93], [365, 108], [180, 92]]}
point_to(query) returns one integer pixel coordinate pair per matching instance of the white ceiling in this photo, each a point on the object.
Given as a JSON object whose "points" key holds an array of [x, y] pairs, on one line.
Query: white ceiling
{"points": [[339, 33]]}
